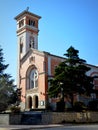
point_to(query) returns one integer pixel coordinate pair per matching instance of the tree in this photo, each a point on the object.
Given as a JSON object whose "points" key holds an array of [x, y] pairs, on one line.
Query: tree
{"points": [[70, 77], [2, 65], [8, 94]]}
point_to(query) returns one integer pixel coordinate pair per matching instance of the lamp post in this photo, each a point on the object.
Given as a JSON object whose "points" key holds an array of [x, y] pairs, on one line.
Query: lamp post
{"points": [[62, 91], [62, 99]]}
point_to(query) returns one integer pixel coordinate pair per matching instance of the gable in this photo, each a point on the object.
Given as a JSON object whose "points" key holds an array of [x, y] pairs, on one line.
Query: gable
{"points": [[30, 55]]}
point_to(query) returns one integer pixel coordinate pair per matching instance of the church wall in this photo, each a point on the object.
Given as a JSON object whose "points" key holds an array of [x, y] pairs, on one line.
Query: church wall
{"points": [[43, 81], [54, 63], [41, 88], [23, 83], [94, 72], [38, 61], [27, 41]]}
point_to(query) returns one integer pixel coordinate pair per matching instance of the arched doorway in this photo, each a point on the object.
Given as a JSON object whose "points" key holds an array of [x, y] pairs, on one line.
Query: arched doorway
{"points": [[30, 102], [35, 100]]}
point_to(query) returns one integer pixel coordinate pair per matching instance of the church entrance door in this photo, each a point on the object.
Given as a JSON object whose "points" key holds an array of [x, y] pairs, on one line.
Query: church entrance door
{"points": [[35, 100], [30, 102]]}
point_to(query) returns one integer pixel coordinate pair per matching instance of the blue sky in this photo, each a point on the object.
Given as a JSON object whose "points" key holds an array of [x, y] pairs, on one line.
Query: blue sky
{"points": [[63, 23]]}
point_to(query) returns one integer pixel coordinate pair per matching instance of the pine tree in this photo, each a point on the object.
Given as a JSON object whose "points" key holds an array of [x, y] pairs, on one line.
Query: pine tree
{"points": [[70, 77], [2, 65], [8, 94]]}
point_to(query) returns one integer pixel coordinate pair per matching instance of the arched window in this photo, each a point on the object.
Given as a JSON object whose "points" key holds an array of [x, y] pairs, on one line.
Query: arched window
{"points": [[31, 42], [33, 78]]}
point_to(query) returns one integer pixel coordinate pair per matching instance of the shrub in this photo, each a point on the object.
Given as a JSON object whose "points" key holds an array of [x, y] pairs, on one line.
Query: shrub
{"points": [[79, 106], [3, 106], [61, 106], [68, 106], [93, 105], [15, 109]]}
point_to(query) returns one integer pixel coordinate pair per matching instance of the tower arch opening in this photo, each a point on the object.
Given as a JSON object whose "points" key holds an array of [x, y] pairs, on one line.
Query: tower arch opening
{"points": [[30, 103], [35, 101]]}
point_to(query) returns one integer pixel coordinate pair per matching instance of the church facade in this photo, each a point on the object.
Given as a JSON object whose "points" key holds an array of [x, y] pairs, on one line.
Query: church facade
{"points": [[35, 67]]}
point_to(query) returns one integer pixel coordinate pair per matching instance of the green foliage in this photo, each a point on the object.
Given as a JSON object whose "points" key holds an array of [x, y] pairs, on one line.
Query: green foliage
{"points": [[18, 96], [2, 65], [61, 106], [8, 94], [15, 109], [79, 106], [70, 76], [93, 105], [3, 106]]}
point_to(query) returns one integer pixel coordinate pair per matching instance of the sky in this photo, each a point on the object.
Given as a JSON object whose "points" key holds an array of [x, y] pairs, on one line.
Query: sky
{"points": [[64, 23]]}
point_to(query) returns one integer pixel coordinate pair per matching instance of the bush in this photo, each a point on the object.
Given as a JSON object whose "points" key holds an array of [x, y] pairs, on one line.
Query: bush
{"points": [[93, 105], [61, 106], [79, 106], [68, 106], [3, 106], [15, 109]]}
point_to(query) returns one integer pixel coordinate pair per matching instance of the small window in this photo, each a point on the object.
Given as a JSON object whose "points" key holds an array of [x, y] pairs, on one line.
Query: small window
{"points": [[31, 22], [21, 48], [32, 58], [42, 103], [31, 45], [21, 23]]}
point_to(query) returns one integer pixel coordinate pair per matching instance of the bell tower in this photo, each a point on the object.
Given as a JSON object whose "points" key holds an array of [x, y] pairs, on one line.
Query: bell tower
{"points": [[27, 35], [27, 32]]}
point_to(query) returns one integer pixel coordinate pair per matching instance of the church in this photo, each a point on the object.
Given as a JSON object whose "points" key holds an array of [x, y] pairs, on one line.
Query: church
{"points": [[35, 67]]}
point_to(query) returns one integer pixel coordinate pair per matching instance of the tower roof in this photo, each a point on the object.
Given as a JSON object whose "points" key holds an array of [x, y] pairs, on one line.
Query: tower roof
{"points": [[26, 12]]}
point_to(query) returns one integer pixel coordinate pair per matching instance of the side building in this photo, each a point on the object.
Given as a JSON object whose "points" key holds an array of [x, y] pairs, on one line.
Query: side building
{"points": [[35, 67]]}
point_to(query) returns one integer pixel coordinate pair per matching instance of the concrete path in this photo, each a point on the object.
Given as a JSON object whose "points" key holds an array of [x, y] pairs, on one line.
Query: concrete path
{"points": [[27, 127], [50, 127]]}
